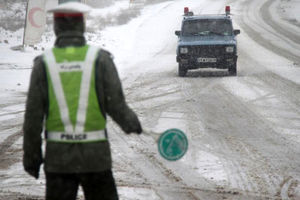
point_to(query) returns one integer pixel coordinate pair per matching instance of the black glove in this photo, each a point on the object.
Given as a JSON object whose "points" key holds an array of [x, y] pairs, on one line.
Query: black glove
{"points": [[138, 129], [32, 164], [133, 128], [33, 171]]}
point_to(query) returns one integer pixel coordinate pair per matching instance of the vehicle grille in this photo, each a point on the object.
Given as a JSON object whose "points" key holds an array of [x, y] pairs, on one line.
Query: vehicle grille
{"points": [[207, 50]]}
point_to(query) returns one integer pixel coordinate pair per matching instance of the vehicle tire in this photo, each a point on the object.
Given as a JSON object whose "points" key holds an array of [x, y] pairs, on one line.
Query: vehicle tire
{"points": [[232, 69], [182, 70]]}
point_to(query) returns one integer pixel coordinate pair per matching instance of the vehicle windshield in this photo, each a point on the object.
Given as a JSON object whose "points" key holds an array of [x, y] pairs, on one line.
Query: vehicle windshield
{"points": [[205, 27]]}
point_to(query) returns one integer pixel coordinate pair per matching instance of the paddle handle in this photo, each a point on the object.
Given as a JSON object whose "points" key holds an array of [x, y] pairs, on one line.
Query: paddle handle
{"points": [[151, 133]]}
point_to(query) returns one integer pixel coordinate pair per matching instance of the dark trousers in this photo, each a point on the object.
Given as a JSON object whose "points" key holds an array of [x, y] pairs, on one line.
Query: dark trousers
{"points": [[96, 186]]}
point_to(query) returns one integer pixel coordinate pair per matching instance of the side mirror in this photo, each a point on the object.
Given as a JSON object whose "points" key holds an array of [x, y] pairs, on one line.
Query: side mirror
{"points": [[177, 33], [236, 32]]}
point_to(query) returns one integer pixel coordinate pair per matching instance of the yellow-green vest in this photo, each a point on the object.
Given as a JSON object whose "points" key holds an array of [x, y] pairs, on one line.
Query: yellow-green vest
{"points": [[74, 113]]}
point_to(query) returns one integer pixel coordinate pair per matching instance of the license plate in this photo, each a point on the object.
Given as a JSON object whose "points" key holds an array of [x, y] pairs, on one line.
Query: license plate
{"points": [[207, 60]]}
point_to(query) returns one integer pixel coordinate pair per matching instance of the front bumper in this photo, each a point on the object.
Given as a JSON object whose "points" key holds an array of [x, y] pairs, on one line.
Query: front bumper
{"points": [[192, 62]]}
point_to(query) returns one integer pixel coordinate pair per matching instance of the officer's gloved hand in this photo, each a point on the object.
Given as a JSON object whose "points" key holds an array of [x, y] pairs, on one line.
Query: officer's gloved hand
{"points": [[133, 126], [32, 164], [138, 129], [33, 171]]}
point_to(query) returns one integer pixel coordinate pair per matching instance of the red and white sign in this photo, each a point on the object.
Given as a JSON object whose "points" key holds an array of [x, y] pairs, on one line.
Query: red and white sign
{"points": [[35, 21]]}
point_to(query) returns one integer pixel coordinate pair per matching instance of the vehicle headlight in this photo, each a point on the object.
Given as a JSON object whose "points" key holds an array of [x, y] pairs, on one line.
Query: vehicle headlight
{"points": [[184, 50], [229, 49]]}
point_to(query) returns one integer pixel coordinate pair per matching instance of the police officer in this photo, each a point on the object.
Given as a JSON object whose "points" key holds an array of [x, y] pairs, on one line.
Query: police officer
{"points": [[73, 87]]}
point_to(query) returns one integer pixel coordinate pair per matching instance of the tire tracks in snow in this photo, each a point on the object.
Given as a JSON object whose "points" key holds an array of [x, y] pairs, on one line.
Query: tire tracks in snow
{"points": [[155, 82], [267, 17], [7, 158], [287, 188], [152, 168], [18, 196], [144, 146], [283, 91], [274, 96], [256, 36], [10, 127], [277, 156], [244, 147]]}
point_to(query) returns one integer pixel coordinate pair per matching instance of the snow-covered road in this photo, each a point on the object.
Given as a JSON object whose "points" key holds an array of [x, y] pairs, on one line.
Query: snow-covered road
{"points": [[244, 131]]}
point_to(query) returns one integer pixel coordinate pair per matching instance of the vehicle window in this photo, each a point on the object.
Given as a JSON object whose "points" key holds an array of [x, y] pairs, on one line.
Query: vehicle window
{"points": [[207, 27]]}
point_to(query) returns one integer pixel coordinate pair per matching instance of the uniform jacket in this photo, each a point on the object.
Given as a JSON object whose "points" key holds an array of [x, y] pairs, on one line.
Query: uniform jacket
{"points": [[74, 157]]}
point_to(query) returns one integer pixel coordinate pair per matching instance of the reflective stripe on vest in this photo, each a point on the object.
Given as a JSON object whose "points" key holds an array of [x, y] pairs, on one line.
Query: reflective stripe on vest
{"points": [[84, 137], [72, 133]]}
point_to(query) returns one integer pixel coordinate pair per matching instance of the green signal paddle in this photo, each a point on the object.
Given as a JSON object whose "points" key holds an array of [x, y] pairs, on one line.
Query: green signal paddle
{"points": [[172, 144]]}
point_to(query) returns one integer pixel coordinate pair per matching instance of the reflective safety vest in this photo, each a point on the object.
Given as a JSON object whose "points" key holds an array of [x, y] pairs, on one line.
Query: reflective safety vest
{"points": [[74, 113]]}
